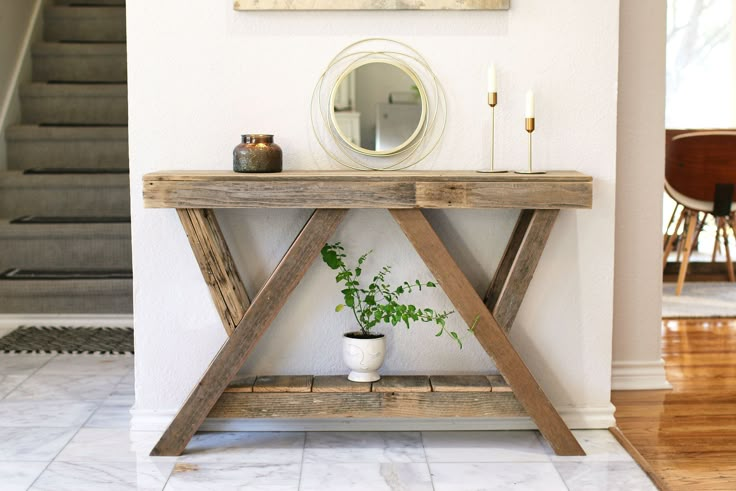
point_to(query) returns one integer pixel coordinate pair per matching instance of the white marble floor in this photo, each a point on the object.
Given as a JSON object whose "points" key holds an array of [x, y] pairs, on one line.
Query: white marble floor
{"points": [[64, 426]]}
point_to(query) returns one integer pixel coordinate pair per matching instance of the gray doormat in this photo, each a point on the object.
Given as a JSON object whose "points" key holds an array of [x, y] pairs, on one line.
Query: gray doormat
{"points": [[74, 340], [704, 299]]}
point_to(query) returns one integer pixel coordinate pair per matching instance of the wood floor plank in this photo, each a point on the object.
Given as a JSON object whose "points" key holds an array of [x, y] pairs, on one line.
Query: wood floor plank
{"points": [[688, 434]]}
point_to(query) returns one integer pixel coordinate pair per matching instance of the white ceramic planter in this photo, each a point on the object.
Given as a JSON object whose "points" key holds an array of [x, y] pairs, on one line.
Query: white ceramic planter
{"points": [[363, 356]]}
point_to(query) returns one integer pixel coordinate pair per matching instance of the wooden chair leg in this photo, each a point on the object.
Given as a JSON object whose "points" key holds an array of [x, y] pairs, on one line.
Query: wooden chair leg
{"points": [[729, 264], [700, 225], [717, 241], [691, 220], [671, 239], [669, 224]]}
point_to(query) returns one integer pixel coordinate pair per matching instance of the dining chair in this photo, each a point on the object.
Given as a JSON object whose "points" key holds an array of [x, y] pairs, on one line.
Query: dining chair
{"points": [[700, 174]]}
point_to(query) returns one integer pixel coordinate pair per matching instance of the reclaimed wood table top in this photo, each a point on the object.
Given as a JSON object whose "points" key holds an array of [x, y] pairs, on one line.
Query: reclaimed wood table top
{"points": [[356, 189]]}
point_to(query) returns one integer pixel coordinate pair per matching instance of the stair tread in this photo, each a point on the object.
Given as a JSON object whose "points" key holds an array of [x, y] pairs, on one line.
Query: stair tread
{"points": [[43, 89], [38, 132], [64, 274], [9, 230], [79, 49]]}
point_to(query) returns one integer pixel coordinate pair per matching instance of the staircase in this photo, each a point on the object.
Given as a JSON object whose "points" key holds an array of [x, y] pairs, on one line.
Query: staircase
{"points": [[64, 200]]}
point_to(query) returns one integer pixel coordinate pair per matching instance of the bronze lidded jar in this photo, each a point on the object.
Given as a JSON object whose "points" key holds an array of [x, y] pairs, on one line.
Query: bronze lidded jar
{"points": [[257, 153]]}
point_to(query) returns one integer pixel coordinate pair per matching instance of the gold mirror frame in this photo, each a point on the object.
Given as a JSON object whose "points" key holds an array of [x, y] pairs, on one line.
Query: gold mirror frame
{"points": [[422, 97], [416, 149]]}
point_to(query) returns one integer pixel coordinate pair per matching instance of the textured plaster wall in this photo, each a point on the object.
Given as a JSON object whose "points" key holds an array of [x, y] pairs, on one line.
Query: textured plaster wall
{"points": [[200, 74]]}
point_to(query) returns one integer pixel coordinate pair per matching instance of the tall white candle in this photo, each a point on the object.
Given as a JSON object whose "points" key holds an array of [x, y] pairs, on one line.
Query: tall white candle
{"points": [[492, 83], [529, 104]]}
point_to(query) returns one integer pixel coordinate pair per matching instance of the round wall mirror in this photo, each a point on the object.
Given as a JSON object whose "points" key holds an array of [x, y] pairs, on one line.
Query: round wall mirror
{"points": [[378, 107]]}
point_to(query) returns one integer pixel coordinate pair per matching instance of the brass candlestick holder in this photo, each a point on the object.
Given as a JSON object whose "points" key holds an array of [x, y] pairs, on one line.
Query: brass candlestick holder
{"points": [[492, 101], [529, 126]]}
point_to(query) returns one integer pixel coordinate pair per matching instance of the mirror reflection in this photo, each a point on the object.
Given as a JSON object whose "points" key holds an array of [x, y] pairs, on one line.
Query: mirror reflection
{"points": [[377, 107]]}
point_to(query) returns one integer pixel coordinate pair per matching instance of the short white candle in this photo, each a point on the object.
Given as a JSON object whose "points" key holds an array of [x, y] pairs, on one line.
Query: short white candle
{"points": [[492, 83], [530, 104]]}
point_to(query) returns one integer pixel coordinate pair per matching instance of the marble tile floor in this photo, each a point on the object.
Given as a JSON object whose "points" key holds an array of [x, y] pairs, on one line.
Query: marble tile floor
{"points": [[64, 426]]}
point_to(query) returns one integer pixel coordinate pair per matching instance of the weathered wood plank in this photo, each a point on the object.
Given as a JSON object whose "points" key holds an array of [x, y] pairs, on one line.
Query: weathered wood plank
{"points": [[489, 334], [338, 383], [406, 383], [366, 194], [518, 263], [216, 264], [498, 384], [368, 405], [283, 383], [371, 5], [241, 384], [460, 383], [347, 175], [257, 319]]}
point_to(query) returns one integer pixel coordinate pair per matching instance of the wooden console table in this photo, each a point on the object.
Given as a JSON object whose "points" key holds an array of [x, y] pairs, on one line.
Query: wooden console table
{"points": [[195, 193]]}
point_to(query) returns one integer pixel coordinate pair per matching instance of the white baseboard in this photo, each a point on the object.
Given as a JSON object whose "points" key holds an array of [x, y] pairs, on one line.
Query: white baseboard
{"points": [[639, 375], [574, 417], [72, 320]]}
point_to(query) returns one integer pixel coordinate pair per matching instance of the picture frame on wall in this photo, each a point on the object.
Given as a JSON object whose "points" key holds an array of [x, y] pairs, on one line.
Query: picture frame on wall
{"points": [[372, 4]]}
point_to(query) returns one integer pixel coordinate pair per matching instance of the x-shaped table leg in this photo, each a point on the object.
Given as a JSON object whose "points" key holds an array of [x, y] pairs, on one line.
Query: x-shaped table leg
{"points": [[258, 317], [489, 333]]}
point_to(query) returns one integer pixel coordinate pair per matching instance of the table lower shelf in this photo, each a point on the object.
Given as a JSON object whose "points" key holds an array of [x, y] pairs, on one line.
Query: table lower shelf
{"points": [[306, 396]]}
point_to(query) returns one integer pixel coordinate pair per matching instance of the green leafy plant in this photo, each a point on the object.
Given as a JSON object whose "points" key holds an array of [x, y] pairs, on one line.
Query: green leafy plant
{"points": [[379, 301]]}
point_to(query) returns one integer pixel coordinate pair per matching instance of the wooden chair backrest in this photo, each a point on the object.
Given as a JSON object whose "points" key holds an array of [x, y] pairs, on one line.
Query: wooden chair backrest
{"points": [[697, 161]]}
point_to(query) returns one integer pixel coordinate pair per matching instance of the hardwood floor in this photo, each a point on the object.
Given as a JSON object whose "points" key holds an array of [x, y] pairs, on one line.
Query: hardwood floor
{"points": [[688, 434]]}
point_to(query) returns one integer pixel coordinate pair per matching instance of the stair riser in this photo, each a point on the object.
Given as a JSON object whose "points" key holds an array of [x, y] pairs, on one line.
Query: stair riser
{"points": [[115, 3], [26, 154], [111, 252], [79, 68], [75, 110], [87, 28], [70, 201], [66, 297]]}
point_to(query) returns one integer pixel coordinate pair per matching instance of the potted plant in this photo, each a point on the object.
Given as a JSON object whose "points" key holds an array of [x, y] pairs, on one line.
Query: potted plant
{"points": [[377, 303]]}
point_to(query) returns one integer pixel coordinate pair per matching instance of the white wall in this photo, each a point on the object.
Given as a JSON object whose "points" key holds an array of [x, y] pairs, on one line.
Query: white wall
{"points": [[637, 362], [16, 26], [200, 74]]}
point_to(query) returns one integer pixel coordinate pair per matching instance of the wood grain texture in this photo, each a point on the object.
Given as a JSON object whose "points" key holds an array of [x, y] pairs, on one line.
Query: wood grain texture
{"points": [[368, 405], [406, 383], [263, 310], [216, 264], [518, 263], [338, 383], [371, 5], [697, 161], [241, 384], [489, 334], [460, 383], [366, 190], [687, 435], [283, 383], [498, 384]]}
